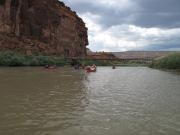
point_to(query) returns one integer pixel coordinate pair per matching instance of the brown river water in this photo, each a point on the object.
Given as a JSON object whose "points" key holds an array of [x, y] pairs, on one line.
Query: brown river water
{"points": [[124, 101]]}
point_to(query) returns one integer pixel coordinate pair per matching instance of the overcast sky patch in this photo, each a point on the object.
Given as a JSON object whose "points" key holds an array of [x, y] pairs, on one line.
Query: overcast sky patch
{"points": [[124, 25]]}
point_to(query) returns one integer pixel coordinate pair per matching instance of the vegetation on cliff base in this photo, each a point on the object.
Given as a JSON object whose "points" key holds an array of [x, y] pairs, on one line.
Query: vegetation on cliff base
{"points": [[12, 59], [171, 61]]}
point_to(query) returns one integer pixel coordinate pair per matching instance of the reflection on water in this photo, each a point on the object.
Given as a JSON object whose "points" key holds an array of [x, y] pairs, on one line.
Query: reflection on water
{"points": [[124, 101]]}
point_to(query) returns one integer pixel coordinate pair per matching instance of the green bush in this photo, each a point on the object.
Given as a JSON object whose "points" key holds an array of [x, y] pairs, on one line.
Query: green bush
{"points": [[11, 59], [171, 61]]}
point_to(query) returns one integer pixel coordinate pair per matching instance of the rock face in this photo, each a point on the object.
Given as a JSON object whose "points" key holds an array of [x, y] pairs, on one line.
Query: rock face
{"points": [[41, 27]]}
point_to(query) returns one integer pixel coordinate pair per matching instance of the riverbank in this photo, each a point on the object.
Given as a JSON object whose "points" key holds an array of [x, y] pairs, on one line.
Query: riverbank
{"points": [[169, 62], [12, 59], [131, 63]]}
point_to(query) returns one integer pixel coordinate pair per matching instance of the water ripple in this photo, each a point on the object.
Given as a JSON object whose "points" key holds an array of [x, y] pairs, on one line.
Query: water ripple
{"points": [[124, 101]]}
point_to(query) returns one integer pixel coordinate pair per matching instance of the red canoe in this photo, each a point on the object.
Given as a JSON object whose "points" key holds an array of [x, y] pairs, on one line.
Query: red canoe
{"points": [[90, 69]]}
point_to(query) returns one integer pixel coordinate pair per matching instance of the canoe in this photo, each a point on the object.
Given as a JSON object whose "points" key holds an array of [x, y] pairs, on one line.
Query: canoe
{"points": [[90, 69], [50, 67]]}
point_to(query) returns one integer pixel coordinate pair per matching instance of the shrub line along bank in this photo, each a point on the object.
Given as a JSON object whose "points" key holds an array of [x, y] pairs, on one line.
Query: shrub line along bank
{"points": [[172, 61], [12, 59]]}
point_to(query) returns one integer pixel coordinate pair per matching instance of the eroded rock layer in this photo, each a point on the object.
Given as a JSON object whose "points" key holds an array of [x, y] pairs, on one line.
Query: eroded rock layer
{"points": [[41, 27]]}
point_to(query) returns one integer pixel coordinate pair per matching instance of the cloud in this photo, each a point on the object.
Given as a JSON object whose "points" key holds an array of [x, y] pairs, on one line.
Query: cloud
{"points": [[130, 37], [144, 13], [122, 25]]}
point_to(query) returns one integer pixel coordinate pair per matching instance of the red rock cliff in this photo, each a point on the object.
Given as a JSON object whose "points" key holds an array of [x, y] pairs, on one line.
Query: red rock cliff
{"points": [[41, 27]]}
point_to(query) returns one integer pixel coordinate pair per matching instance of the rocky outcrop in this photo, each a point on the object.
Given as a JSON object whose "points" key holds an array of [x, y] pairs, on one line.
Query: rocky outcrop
{"points": [[42, 27]]}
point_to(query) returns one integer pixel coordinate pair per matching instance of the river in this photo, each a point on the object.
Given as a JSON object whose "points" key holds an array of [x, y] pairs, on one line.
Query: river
{"points": [[124, 101]]}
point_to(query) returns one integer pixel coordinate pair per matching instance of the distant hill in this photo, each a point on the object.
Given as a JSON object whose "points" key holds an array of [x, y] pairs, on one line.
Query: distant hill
{"points": [[100, 56], [141, 54]]}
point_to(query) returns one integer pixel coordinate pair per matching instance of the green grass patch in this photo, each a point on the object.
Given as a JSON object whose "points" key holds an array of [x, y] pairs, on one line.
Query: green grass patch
{"points": [[171, 61], [12, 59]]}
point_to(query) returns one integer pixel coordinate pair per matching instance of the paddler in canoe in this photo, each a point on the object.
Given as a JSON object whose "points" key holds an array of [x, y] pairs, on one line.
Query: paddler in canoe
{"points": [[113, 67], [50, 67], [91, 68]]}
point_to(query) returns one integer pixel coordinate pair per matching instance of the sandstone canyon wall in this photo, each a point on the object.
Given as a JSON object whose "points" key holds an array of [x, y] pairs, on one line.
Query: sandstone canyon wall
{"points": [[41, 27]]}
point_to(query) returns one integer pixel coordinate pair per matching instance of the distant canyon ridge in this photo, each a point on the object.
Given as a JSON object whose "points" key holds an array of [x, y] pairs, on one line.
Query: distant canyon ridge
{"points": [[41, 27]]}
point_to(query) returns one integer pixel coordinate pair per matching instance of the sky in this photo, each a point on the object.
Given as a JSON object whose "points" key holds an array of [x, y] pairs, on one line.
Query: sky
{"points": [[130, 25]]}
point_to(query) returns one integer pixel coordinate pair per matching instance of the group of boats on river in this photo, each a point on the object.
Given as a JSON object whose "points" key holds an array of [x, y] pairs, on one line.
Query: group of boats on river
{"points": [[88, 69], [77, 66], [92, 68]]}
